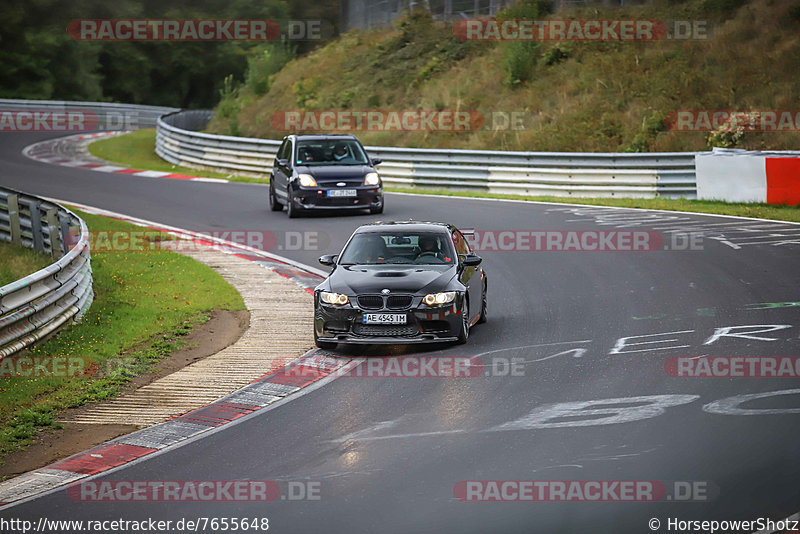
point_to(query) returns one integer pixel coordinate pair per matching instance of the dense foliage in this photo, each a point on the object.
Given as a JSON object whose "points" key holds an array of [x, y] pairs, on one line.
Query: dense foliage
{"points": [[38, 60]]}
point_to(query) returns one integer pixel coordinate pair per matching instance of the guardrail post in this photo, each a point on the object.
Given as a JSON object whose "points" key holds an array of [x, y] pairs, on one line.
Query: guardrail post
{"points": [[36, 225], [54, 232], [13, 219], [65, 235]]}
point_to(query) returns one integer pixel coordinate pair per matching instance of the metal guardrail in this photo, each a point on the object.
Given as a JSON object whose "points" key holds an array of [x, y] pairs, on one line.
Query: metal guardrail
{"points": [[179, 141], [110, 116], [670, 174], [38, 305]]}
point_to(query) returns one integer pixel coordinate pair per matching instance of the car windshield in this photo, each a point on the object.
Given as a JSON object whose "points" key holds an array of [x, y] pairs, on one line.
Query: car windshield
{"points": [[417, 248], [330, 152]]}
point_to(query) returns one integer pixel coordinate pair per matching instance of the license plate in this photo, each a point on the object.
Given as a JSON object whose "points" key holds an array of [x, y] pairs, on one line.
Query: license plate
{"points": [[384, 318], [342, 192]]}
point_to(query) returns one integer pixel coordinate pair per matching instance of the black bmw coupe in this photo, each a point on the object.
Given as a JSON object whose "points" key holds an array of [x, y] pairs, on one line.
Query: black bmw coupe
{"points": [[399, 283]]}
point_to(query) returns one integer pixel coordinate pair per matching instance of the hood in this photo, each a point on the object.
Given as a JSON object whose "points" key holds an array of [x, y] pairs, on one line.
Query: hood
{"points": [[335, 173], [361, 279]]}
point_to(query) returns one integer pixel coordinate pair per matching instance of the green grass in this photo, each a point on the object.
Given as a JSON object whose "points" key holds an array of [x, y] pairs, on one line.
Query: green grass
{"points": [[18, 262], [756, 210], [145, 303], [764, 211], [137, 150]]}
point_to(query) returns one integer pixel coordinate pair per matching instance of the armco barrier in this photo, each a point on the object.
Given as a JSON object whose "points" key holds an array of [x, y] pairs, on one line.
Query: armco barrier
{"points": [[566, 174], [576, 174], [40, 304]]}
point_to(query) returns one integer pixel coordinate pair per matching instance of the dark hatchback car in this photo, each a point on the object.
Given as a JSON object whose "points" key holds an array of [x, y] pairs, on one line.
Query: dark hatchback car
{"points": [[400, 283], [324, 172]]}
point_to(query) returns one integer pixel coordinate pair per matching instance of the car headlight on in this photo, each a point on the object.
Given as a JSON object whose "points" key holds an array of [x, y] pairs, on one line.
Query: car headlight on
{"points": [[372, 178], [306, 180], [337, 299], [437, 299]]}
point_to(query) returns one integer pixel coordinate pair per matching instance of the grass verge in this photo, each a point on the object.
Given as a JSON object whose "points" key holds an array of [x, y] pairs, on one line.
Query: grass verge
{"points": [[142, 153], [137, 150], [18, 262], [145, 302]]}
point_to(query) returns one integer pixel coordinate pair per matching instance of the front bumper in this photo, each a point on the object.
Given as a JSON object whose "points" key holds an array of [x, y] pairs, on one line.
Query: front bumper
{"points": [[309, 198], [424, 324]]}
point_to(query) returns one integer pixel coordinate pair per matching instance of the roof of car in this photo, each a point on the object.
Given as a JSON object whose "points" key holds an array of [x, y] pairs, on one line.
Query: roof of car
{"points": [[412, 226], [323, 136]]}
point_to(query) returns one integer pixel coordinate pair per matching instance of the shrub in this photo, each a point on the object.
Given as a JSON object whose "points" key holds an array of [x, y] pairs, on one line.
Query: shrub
{"points": [[518, 60], [228, 107], [264, 63]]}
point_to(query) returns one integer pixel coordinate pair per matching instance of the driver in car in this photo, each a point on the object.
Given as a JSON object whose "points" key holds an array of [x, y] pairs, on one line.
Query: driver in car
{"points": [[341, 154], [429, 246]]}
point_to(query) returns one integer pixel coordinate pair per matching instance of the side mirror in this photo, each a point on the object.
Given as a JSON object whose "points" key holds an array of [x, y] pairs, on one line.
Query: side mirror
{"points": [[283, 162], [471, 260], [376, 161], [328, 259]]}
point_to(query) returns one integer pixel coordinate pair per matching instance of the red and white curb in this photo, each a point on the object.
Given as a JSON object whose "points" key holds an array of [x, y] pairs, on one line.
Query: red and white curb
{"points": [[271, 388], [305, 371], [48, 152]]}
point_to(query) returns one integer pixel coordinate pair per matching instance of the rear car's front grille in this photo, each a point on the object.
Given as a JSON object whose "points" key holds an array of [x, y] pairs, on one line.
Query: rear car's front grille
{"points": [[333, 201], [370, 302], [349, 183], [393, 302], [398, 302], [384, 330]]}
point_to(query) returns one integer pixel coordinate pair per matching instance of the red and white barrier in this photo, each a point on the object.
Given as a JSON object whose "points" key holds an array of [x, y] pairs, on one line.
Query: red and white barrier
{"points": [[741, 176]]}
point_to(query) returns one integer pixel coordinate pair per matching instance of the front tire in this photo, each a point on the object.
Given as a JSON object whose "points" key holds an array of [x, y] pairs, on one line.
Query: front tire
{"points": [[482, 318], [463, 334], [377, 210], [274, 205], [292, 211]]}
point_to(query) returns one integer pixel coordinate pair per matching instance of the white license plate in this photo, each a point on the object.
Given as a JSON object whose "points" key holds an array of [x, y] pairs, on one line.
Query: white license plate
{"points": [[342, 193], [384, 318]]}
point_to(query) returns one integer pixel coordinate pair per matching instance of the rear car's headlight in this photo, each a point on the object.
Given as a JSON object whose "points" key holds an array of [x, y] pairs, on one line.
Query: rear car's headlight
{"points": [[337, 299], [437, 299], [372, 178], [306, 180]]}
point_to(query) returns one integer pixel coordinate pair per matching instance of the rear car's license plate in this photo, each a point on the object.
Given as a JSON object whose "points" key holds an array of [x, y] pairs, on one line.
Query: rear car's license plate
{"points": [[341, 192], [384, 318]]}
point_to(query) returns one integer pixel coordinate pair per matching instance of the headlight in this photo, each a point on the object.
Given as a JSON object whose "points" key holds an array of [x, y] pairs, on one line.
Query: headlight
{"points": [[437, 299], [306, 180], [372, 178], [336, 299]]}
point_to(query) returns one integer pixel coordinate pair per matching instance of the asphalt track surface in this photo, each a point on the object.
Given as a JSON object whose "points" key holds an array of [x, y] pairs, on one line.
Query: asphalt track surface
{"points": [[388, 452]]}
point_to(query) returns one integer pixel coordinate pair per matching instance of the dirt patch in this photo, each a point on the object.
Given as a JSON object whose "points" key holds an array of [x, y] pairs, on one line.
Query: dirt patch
{"points": [[223, 329]]}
